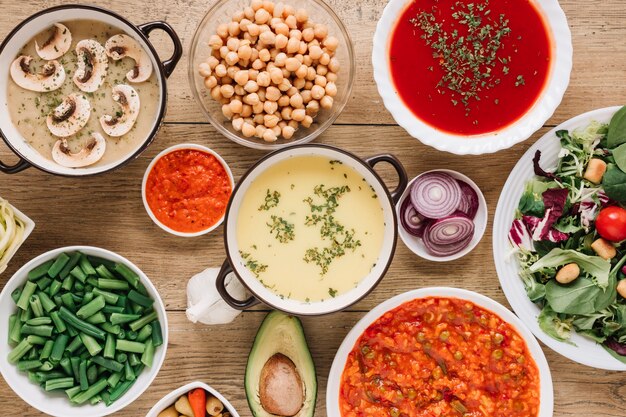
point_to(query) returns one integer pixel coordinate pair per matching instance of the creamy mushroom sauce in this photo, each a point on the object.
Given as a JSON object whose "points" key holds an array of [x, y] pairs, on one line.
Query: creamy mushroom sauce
{"points": [[29, 109]]}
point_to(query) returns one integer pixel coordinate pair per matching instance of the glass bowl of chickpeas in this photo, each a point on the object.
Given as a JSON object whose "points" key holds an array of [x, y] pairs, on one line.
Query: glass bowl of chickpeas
{"points": [[271, 74]]}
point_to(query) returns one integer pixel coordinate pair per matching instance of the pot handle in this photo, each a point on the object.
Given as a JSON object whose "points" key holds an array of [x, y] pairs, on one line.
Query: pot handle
{"points": [[221, 288], [170, 64], [403, 180], [21, 165]]}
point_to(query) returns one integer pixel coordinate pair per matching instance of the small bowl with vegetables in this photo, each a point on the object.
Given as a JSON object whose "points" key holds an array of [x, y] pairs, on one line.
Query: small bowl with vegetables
{"points": [[195, 399], [15, 227], [443, 215], [85, 332]]}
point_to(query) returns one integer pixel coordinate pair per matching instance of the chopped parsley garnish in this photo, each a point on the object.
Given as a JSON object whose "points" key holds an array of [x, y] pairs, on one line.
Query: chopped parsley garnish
{"points": [[271, 200], [332, 292], [282, 229], [252, 264]]}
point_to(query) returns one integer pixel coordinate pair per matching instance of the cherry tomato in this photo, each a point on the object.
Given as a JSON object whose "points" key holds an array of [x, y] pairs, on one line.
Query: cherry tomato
{"points": [[611, 223]]}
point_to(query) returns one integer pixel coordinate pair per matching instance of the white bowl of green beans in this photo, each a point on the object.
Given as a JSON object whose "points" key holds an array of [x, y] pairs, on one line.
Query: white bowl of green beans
{"points": [[85, 332]]}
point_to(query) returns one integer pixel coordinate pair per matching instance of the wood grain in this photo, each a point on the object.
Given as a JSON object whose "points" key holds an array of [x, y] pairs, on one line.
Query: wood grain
{"points": [[106, 211]]}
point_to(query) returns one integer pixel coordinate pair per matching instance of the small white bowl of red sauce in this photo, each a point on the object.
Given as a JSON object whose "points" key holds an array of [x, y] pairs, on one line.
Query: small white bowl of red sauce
{"points": [[472, 77], [186, 189]]}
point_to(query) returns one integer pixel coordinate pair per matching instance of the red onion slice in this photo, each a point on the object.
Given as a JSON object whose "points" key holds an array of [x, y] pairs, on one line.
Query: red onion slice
{"points": [[449, 235], [446, 250], [413, 222], [469, 200], [436, 195]]}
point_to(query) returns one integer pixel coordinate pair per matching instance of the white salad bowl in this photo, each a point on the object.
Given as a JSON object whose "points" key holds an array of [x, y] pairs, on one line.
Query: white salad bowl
{"points": [[416, 245], [520, 130], [171, 398], [333, 390], [29, 226], [581, 349], [56, 403], [149, 169]]}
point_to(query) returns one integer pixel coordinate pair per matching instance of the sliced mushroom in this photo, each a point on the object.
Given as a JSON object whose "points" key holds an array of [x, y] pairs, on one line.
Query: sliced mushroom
{"points": [[57, 44], [69, 117], [89, 155], [123, 46], [50, 78], [91, 69], [123, 121]]}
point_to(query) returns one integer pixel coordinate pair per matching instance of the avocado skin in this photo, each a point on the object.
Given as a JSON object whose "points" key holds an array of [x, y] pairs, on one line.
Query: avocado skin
{"points": [[280, 333]]}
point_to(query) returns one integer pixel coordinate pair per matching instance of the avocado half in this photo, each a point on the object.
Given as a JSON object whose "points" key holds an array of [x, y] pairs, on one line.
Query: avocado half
{"points": [[283, 335]]}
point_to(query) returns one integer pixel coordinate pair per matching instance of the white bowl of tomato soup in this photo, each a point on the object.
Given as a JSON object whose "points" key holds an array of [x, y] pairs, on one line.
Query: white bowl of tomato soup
{"points": [[472, 78], [186, 189], [441, 350]]}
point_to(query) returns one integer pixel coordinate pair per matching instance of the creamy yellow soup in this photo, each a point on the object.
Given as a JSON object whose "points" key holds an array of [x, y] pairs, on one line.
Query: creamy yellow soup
{"points": [[29, 109], [310, 228]]}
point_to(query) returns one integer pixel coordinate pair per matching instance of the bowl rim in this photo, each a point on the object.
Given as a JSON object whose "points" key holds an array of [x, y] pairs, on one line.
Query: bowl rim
{"points": [[519, 130], [161, 80], [338, 364], [20, 276], [320, 311], [168, 399], [479, 230], [582, 350], [29, 226], [260, 144], [174, 148]]}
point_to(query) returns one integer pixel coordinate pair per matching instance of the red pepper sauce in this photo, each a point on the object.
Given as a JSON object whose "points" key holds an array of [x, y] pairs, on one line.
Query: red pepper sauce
{"points": [[440, 357], [188, 190], [513, 78]]}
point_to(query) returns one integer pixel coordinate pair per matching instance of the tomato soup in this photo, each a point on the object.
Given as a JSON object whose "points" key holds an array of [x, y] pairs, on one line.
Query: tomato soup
{"points": [[188, 190], [440, 357], [470, 68]]}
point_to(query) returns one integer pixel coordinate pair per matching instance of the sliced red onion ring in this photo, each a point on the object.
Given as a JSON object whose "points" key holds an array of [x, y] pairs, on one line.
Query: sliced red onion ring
{"points": [[413, 222], [446, 250], [449, 235], [469, 200], [436, 195]]}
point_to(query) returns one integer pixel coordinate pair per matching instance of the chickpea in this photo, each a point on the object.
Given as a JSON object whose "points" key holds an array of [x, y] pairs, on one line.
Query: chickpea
{"points": [[268, 37], [232, 58], [231, 71], [244, 53], [296, 101], [258, 119], [248, 130], [303, 48], [251, 99], [263, 79], [299, 83], [278, 10], [220, 70], [315, 52], [322, 70], [325, 59], [285, 113], [243, 24], [292, 64], [270, 107], [271, 120], [215, 93], [276, 75], [252, 73], [258, 64], [210, 82], [291, 22], [268, 5], [232, 44], [224, 51], [248, 12], [333, 65], [222, 30], [293, 124], [568, 273], [238, 123], [308, 61], [256, 4], [331, 77], [311, 74], [251, 86], [286, 73], [288, 132], [293, 45], [308, 121], [261, 94], [272, 94], [227, 90], [215, 42], [331, 43], [277, 130], [621, 288], [326, 102], [204, 69], [317, 92], [298, 115], [254, 30], [288, 11], [227, 112], [264, 55], [261, 16], [238, 16], [283, 100], [320, 80], [308, 85], [321, 31], [302, 15], [331, 89], [308, 34], [306, 96], [281, 41], [270, 136], [212, 61], [247, 110], [312, 108], [239, 90], [302, 71], [295, 33], [233, 28], [226, 79]]}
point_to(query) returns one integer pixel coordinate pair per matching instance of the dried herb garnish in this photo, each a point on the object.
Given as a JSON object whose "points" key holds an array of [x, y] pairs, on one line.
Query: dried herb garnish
{"points": [[282, 229], [272, 198], [252, 264], [468, 55]]}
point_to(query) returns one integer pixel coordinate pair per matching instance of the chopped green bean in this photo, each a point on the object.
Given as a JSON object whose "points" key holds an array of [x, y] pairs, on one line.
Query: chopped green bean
{"points": [[92, 374], [109, 364], [114, 379], [90, 392], [29, 365], [112, 284], [68, 283], [74, 344], [120, 318], [26, 314], [15, 330], [109, 347], [46, 302], [55, 287], [144, 333], [96, 260], [78, 273], [91, 308], [38, 321], [75, 362], [83, 326], [112, 309], [86, 266], [91, 344], [72, 392], [35, 305], [129, 373], [15, 295], [148, 354], [109, 297], [127, 274], [147, 319], [104, 272], [59, 383], [120, 390], [13, 322], [60, 343], [137, 309], [46, 376], [66, 365], [45, 331], [36, 340], [46, 350], [44, 283], [59, 324], [47, 366], [27, 292], [40, 271], [133, 358], [110, 328], [68, 301], [74, 258], [140, 299], [97, 318], [57, 265], [84, 383], [131, 335]]}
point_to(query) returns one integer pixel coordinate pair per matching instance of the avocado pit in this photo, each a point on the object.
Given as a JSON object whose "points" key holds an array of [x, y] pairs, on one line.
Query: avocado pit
{"points": [[280, 387]]}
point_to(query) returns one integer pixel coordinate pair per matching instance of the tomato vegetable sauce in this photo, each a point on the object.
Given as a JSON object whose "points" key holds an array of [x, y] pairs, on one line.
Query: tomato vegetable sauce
{"points": [[440, 357], [188, 190], [470, 67]]}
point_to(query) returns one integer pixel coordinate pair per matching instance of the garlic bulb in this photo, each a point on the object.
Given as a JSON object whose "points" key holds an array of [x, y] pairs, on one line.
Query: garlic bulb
{"points": [[205, 305]]}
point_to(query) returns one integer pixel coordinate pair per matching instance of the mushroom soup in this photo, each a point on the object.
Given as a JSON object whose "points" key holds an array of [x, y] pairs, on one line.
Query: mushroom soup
{"points": [[83, 93], [310, 228]]}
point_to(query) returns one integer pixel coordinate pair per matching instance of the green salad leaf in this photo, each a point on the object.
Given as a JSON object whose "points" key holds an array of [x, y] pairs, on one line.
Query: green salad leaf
{"points": [[617, 129], [614, 183], [594, 265], [619, 155], [553, 326]]}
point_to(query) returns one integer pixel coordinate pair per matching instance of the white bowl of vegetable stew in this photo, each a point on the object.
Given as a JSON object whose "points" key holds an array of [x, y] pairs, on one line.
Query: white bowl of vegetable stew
{"points": [[173, 403], [106, 347]]}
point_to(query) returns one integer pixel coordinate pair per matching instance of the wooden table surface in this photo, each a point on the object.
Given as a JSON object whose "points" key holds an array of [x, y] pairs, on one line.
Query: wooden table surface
{"points": [[106, 210]]}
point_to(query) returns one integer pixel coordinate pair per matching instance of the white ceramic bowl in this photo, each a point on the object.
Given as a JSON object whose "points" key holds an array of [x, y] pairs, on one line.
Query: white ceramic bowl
{"points": [[29, 225], [56, 404], [334, 379], [145, 179], [583, 350], [171, 398], [522, 129], [416, 244]]}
